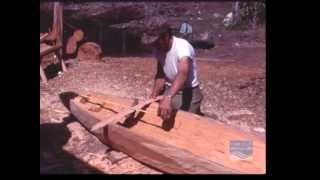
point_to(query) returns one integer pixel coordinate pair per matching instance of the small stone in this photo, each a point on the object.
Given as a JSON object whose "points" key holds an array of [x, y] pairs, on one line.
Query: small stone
{"points": [[259, 129]]}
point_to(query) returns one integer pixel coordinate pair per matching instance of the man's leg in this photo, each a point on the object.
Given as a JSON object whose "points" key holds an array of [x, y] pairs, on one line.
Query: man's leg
{"points": [[176, 101], [196, 101]]}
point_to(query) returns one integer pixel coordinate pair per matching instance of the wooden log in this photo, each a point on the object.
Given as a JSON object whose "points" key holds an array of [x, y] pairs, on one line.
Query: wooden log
{"points": [[160, 155], [44, 50], [71, 46], [58, 27], [52, 36], [43, 37], [206, 140], [72, 42], [78, 35], [150, 151], [89, 51], [43, 76]]}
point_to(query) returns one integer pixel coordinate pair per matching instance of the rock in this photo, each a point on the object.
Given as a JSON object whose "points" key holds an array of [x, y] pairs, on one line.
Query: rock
{"points": [[60, 73], [259, 129]]}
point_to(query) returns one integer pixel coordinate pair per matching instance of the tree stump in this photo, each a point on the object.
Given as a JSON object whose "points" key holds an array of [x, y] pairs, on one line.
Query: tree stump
{"points": [[89, 51]]}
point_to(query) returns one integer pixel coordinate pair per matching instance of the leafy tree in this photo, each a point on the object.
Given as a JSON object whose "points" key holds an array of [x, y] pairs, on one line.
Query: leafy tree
{"points": [[248, 14]]}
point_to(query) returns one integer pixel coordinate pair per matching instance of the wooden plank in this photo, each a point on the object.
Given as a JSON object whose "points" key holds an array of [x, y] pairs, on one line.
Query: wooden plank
{"points": [[201, 136], [43, 37], [122, 116], [49, 49]]}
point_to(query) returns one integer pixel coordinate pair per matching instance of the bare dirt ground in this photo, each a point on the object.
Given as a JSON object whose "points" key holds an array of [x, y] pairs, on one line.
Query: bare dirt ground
{"points": [[233, 88]]}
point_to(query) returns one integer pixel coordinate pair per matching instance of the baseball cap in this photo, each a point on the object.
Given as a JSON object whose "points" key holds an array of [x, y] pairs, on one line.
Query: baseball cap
{"points": [[151, 36]]}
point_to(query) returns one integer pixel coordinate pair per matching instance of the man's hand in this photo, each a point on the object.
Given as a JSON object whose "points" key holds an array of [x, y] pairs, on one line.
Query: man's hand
{"points": [[165, 108]]}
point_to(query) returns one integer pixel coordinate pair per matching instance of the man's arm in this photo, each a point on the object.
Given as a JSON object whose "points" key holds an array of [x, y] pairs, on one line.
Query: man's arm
{"points": [[159, 81], [165, 103]]}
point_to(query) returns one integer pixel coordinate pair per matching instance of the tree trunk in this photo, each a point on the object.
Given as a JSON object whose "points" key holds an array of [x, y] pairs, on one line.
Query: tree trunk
{"points": [[236, 12], [58, 27]]}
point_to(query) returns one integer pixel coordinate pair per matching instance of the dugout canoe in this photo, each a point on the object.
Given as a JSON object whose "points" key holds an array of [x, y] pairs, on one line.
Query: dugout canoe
{"points": [[187, 144]]}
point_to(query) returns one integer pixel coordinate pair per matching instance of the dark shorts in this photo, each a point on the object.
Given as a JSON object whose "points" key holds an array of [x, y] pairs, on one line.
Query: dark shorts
{"points": [[188, 99]]}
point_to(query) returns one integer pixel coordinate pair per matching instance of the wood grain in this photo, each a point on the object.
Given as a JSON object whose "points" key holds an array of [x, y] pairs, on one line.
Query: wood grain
{"points": [[187, 138]]}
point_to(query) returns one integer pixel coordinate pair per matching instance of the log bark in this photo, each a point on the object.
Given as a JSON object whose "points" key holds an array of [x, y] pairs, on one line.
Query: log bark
{"points": [[187, 144]]}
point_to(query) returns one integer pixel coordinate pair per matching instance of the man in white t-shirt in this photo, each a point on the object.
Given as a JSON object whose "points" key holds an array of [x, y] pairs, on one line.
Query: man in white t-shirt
{"points": [[176, 74]]}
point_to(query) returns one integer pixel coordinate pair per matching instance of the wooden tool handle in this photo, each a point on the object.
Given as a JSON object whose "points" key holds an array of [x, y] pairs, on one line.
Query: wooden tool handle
{"points": [[122, 116]]}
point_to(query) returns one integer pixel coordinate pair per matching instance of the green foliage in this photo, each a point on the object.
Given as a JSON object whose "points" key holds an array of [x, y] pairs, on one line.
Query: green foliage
{"points": [[249, 14]]}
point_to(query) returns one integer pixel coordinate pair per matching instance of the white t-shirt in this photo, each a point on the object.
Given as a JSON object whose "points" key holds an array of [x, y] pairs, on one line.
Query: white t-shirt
{"points": [[169, 61]]}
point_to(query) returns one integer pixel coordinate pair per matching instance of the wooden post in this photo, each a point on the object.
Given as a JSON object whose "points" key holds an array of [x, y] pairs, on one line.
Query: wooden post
{"points": [[43, 75], [58, 25]]}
